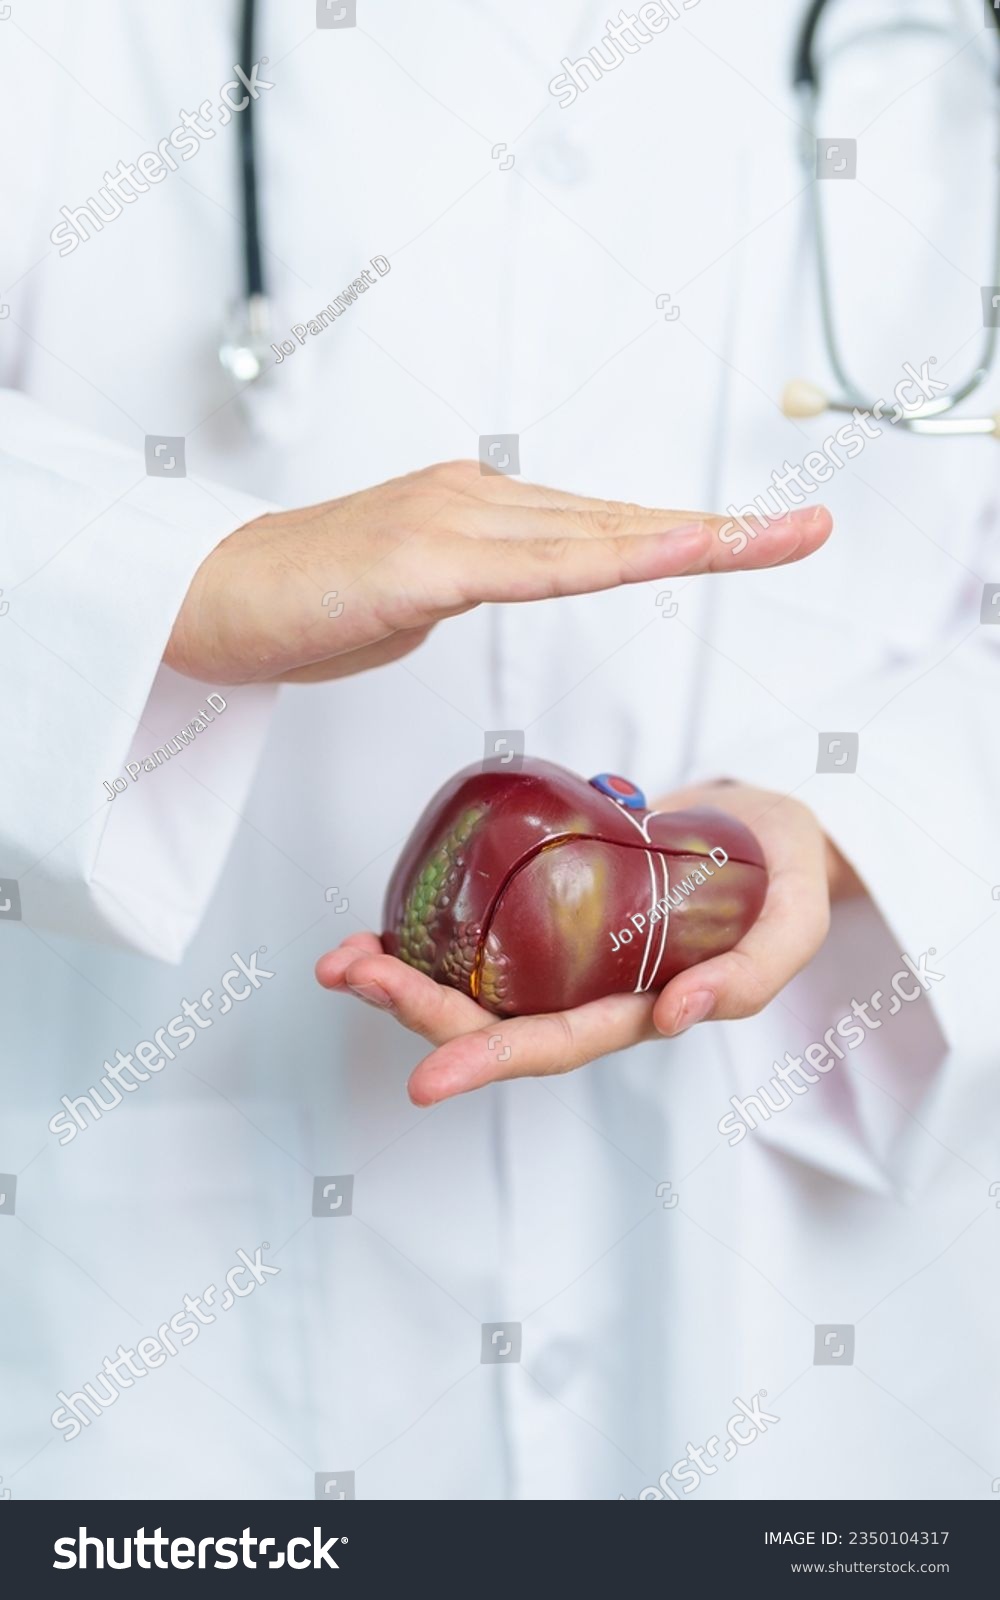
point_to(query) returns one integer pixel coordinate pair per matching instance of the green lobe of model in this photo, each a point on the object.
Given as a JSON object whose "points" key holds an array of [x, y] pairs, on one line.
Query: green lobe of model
{"points": [[433, 890]]}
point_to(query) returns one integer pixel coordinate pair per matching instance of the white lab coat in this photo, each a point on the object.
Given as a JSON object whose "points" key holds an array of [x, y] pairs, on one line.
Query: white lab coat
{"points": [[520, 299]]}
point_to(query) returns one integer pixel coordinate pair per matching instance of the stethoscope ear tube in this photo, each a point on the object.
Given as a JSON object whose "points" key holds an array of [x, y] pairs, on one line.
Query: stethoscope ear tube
{"points": [[804, 66], [253, 267], [805, 73]]}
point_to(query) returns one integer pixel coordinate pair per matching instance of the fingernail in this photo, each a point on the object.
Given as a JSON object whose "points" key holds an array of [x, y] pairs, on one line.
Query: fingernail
{"points": [[373, 993], [334, 969], [695, 1007], [433, 1089], [805, 516]]}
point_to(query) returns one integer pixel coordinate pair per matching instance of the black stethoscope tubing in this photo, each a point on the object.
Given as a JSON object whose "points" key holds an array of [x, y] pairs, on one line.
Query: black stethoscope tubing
{"points": [[805, 73], [805, 77], [253, 268]]}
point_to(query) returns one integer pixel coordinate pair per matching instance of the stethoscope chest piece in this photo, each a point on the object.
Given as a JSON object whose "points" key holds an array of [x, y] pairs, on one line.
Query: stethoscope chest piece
{"points": [[245, 349]]}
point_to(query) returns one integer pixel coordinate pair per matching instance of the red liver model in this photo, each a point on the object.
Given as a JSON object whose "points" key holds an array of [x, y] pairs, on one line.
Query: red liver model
{"points": [[534, 890]]}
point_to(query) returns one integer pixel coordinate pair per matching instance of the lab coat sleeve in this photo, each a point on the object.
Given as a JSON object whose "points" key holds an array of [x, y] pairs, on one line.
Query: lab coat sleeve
{"points": [[918, 822], [97, 559]]}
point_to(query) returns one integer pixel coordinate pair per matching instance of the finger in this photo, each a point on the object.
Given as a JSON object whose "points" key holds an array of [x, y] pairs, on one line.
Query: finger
{"points": [[605, 519], [501, 490], [791, 928], [524, 1047], [791, 537], [469, 479], [580, 516], [330, 968], [434, 1010], [542, 568]]}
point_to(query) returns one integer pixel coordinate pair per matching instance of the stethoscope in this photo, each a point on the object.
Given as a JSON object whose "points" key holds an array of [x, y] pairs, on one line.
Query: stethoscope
{"points": [[245, 348], [804, 399]]}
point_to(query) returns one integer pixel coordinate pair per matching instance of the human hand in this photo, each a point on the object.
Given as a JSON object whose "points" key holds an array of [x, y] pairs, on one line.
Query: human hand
{"points": [[407, 554], [473, 1047]]}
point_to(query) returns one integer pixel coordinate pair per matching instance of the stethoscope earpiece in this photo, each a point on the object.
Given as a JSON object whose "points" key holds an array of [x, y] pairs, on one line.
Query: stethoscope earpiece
{"points": [[800, 399], [803, 399]]}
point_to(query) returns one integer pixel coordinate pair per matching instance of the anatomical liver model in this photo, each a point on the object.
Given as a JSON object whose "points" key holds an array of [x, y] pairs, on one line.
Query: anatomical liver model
{"points": [[534, 890]]}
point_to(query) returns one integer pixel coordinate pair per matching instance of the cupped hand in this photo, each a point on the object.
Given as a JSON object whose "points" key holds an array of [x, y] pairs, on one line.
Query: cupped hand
{"points": [[472, 1047], [353, 583]]}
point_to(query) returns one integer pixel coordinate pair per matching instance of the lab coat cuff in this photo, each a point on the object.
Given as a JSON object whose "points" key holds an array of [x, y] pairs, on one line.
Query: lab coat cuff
{"points": [[179, 801], [135, 781], [856, 1122]]}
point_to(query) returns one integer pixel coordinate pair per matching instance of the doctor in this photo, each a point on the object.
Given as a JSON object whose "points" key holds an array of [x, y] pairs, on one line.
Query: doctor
{"points": [[570, 1284]]}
